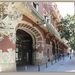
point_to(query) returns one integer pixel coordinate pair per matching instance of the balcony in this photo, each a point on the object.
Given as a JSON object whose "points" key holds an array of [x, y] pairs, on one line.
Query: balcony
{"points": [[55, 12]]}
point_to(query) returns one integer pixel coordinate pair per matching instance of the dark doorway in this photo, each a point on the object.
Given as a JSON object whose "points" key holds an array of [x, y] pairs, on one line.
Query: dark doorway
{"points": [[23, 48], [48, 54], [53, 47], [57, 49]]}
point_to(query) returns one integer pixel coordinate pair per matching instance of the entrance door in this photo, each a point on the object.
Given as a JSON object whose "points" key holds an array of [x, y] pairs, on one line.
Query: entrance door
{"points": [[27, 52], [24, 46], [48, 55], [53, 47]]}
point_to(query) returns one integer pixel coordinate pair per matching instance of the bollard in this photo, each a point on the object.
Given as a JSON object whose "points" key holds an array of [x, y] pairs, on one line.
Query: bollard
{"points": [[70, 57], [25, 68], [51, 62], [58, 59], [46, 65], [38, 67], [55, 60]]}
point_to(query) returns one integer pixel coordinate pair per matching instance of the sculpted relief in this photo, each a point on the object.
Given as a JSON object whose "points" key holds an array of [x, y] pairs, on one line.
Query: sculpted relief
{"points": [[9, 18]]}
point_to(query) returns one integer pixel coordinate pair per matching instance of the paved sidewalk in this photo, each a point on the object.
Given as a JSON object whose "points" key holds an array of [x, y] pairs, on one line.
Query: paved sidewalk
{"points": [[66, 65], [58, 66]]}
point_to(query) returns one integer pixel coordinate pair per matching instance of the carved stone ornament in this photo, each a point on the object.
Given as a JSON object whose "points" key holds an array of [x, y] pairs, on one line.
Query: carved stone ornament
{"points": [[37, 45], [1, 37], [9, 17], [42, 45], [13, 12], [12, 37]]}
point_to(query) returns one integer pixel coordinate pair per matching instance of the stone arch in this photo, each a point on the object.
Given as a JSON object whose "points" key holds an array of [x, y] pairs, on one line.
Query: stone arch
{"points": [[47, 38], [47, 35], [33, 38], [33, 31]]}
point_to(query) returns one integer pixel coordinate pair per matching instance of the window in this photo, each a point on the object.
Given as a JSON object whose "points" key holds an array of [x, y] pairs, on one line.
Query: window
{"points": [[48, 21], [45, 17], [34, 5], [31, 3]]}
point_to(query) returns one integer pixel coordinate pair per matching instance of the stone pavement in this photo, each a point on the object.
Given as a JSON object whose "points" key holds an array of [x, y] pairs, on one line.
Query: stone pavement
{"points": [[66, 65]]}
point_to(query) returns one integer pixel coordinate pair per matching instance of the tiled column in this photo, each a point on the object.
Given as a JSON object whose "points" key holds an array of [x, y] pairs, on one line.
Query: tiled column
{"points": [[38, 54], [7, 52]]}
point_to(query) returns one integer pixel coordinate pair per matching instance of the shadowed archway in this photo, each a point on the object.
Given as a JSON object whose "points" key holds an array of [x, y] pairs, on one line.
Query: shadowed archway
{"points": [[23, 48], [53, 47]]}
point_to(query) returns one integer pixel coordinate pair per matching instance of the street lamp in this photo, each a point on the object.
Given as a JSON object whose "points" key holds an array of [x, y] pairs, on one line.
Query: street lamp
{"points": [[38, 24]]}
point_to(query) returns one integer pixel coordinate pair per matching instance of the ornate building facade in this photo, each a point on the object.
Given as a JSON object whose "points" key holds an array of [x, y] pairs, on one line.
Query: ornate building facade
{"points": [[29, 34]]}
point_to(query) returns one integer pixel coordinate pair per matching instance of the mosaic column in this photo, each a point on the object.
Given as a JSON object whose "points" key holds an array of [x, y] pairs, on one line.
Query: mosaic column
{"points": [[7, 52], [38, 54]]}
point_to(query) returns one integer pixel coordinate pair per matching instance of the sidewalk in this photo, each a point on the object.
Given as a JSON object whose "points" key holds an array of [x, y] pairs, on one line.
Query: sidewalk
{"points": [[66, 65], [45, 67]]}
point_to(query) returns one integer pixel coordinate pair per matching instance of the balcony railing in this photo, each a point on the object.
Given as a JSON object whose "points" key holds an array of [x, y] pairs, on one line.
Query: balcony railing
{"points": [[56, 11]]}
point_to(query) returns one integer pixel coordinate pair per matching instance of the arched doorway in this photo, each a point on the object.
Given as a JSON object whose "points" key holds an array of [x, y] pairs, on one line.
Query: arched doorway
{"points": [[53, 47], [23, 48], [57, 48], [48, 55]]}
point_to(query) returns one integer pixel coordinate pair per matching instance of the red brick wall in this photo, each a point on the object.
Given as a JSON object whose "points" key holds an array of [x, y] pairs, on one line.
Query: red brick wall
{"points": [[6, 43], [48, 47], [40, 9], [65, 51]]}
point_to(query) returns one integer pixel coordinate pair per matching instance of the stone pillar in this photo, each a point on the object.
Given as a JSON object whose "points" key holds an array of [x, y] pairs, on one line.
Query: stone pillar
{"points": [[8, 35], [38, 57], [7, 52], [65, 51]]}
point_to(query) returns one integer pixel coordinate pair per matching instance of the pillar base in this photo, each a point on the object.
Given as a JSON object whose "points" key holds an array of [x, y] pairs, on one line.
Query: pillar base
{"points": [[7, 67], [40, 61]]}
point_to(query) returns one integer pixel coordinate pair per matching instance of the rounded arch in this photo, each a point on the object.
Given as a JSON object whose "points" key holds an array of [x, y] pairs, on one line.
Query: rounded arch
{"points": [[47, 35], [33, 31], [33, 37], [24, 48]]}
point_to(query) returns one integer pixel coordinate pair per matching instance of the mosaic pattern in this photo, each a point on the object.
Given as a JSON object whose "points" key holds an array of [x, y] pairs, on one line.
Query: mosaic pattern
{"points": [[7, 57], [12, 37], [9, 22], [38, 55], [1, 37]]}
